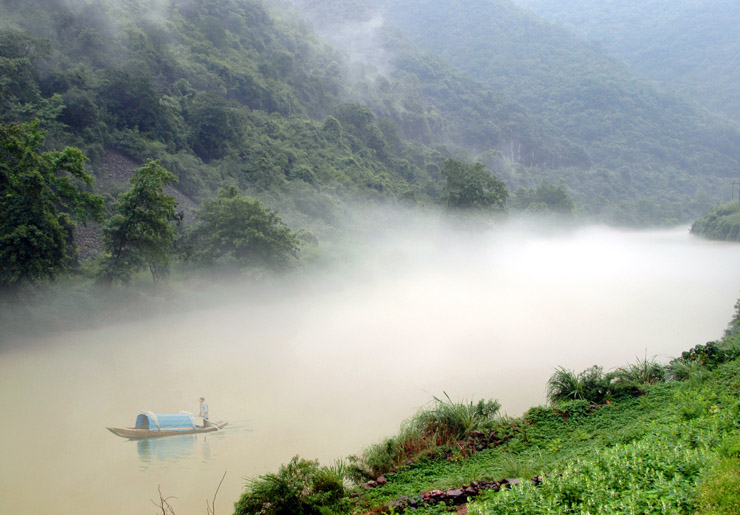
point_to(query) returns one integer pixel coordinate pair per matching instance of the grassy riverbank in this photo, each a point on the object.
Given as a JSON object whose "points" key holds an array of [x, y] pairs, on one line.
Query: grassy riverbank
{"points": [[646, 438]]}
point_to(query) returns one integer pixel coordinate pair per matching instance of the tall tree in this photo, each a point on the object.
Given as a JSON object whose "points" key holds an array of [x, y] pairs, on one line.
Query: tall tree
{"points": [[141, 233], [472, 188], [41, 196], [234, 229]]}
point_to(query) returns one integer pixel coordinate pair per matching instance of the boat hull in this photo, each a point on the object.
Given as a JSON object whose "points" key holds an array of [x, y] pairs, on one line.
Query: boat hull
{"points": [[133, 433]]}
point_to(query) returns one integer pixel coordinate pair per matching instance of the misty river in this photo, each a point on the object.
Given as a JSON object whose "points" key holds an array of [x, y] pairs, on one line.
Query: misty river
{"points": [[339, 362]]}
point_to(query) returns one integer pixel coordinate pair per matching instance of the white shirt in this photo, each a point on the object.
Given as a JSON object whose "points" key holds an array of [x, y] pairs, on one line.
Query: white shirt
{"points": [[203, 410]]}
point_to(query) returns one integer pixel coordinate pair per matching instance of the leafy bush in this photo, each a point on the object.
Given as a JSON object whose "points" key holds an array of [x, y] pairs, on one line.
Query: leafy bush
{"points": [[563, 385], [596, 387], [301, 487], [721, 223], [710, 354]]}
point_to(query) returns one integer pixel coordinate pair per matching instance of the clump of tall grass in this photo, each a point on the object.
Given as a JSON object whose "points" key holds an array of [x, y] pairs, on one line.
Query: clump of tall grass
{"points": [[643, 371], [431, 429], [595, 386], [300, 487], [565, 385], [681, 369], [455, 420]]}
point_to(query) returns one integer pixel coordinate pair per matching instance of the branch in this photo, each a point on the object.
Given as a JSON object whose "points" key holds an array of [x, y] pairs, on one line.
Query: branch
{"points": [[212, 507], [163, 504]]}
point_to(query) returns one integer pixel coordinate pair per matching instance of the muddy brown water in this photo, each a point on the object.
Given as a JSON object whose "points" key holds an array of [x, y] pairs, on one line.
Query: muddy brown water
{"points": [[326, 370]]}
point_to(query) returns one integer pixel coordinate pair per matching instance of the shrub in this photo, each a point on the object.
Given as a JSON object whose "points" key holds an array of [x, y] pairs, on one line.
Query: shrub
{"points": [[710, 354], [301, 487]]}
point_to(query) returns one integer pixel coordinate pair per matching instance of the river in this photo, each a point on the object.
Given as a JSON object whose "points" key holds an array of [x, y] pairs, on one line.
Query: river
{"points": [[336, 364]]}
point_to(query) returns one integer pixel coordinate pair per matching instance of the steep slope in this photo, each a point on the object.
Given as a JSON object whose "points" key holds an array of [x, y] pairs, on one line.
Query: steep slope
{"points": [[629, 153], [429, 100], [692, 47], [243, 92], [222, 92], [591, 97]]}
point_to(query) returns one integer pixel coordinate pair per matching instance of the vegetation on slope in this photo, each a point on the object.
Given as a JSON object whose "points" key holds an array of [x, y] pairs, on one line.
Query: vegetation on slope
{"points": [[218, 91], [647, 438], [677, 43], [721, 223], [652, 153]]}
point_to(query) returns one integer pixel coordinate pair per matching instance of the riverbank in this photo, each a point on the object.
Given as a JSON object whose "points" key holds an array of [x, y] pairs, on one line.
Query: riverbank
{"points": [[666, 441]]}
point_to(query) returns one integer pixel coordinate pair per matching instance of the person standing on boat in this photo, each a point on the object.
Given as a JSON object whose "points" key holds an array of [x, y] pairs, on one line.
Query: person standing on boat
{"points": [[204, 412]]}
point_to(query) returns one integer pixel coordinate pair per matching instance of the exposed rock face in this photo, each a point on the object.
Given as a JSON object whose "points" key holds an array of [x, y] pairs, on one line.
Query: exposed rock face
{"points": [[113, 176]]}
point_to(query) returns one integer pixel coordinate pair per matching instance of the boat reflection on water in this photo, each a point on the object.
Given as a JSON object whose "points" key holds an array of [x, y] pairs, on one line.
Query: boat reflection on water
{"points": [[185, 451], [153, 451]]}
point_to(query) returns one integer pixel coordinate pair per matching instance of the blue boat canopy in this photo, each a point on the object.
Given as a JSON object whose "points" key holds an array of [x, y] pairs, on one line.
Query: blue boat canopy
{"points": [[183, 421]]}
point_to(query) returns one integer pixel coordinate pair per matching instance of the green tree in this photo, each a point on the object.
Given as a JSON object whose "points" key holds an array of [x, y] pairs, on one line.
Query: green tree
{"points": [[546, 198], [41, 196], [235, 229], [141, 233], [472, 187]]}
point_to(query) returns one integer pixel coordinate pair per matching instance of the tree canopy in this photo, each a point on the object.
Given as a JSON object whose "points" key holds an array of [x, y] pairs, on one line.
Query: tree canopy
{"points": [[233, 229], [720, 223], [42, 194], [141, 232], [472, 187]]}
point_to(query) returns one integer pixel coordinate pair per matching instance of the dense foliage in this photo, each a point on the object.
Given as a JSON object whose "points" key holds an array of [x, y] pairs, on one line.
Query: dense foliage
{"points": [[544, 199], [648, 153], [215, 90], [245, 93], [141, 232], [678, 43], [301, 487], [472, 188], [237, 230], [42, 194], [721, 223]]}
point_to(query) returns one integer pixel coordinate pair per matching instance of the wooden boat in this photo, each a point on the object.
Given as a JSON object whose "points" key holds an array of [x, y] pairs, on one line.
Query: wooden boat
{"points": [[157, 425]]}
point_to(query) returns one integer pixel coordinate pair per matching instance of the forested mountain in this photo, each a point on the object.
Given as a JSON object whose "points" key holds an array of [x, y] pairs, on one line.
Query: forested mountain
{"points": [[222, 92], [307, 104], [644, 144], [688, 46]]}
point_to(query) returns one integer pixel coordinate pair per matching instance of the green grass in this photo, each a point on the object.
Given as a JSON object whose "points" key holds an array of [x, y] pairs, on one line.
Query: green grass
{"points": [[720, 491], [673, 448], [433, 431]]}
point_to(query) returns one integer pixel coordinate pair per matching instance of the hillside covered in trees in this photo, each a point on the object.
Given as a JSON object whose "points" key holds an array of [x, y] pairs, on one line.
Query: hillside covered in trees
{"points": [[310, 107], [679, 44]]}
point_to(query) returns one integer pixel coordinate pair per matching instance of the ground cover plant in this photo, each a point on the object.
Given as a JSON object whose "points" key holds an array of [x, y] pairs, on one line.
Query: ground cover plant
{"points": [[668, 444]]}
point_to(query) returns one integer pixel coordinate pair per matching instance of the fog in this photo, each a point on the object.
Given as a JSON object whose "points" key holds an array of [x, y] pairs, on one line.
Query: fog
{"points": [[338, 357]]}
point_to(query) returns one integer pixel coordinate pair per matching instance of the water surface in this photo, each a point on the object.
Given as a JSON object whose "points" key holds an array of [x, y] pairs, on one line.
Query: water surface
{"points": [[338, 361]]}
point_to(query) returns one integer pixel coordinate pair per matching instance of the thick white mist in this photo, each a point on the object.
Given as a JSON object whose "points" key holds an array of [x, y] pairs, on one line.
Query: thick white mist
{"points": [[338, 360]]}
